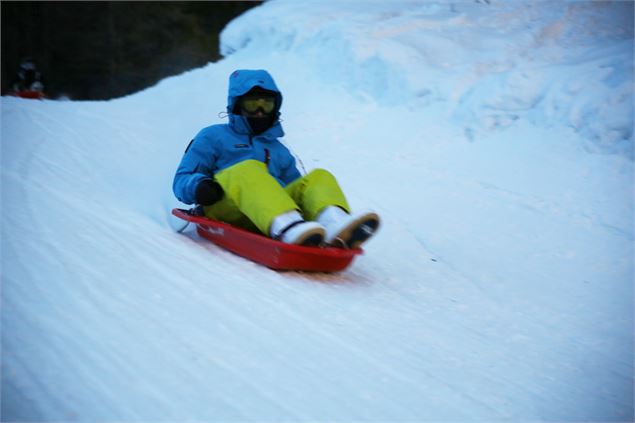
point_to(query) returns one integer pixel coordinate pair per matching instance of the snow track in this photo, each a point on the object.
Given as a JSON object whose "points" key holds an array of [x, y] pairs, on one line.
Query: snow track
{"points": [[499, 286]]}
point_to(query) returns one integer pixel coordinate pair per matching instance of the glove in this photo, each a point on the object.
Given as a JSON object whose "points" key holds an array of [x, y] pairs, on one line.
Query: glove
{"points": [[208, 192]]}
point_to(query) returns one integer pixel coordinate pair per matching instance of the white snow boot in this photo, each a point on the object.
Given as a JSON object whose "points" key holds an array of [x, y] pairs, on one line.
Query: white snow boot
{"points": [[347, 230], [291, 228]]}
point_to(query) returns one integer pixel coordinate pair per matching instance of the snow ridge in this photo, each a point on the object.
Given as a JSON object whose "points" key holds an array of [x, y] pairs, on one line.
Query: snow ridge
{"points": [[549, 62]]}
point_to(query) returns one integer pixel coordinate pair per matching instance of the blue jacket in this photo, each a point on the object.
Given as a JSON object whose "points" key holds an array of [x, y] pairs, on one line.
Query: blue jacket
{"points": [[219, 146]]}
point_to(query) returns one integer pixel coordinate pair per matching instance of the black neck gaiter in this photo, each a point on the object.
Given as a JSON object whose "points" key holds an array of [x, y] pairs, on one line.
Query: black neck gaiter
{"points": [[260, 124]]}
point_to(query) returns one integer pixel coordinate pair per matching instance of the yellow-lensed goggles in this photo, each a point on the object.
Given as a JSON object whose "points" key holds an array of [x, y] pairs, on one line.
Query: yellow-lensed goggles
{"points": [[252, 104]]}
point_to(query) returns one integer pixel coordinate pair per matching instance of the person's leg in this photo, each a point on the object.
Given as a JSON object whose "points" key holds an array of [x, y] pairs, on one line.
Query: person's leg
{"points": [[226, 211], [316, 191], [255, 200], [321, 199], [252, 195]]}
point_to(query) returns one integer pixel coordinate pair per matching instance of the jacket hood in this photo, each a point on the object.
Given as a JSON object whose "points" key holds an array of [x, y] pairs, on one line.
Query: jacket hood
{"points": [[240, 82], [243, 80]]}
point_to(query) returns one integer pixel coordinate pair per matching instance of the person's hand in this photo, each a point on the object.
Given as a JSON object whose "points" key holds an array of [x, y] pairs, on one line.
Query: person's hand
{"points": [[208, 192]]}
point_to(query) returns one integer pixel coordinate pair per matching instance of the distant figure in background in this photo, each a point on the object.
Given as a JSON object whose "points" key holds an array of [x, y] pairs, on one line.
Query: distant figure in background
{"points": [[28, 82], [243, 175]]}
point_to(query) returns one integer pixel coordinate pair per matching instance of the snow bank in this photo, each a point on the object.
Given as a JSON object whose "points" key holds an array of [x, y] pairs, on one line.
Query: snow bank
{"points": [[550, 62]]}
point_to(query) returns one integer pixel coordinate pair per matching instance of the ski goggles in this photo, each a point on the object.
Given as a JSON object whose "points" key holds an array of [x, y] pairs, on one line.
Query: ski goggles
{"points": [[252, 104]]}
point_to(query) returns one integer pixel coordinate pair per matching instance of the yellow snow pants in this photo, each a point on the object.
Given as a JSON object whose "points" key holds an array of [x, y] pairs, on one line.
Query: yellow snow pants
{"points": [[253, 198]]}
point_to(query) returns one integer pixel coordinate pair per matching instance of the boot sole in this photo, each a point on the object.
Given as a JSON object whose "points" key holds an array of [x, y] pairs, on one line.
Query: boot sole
{"points": [[312, 238], [358, 232]]}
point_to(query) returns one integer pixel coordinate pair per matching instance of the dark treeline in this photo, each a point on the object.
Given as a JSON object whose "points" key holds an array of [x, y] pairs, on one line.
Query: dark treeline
{"points": [[103, 50]]}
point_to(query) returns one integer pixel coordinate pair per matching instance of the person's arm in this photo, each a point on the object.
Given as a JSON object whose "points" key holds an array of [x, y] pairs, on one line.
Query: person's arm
{"points": [[195, 168]]}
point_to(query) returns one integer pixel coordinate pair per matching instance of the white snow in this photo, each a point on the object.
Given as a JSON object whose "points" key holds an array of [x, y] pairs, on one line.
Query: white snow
{"points": [[494, 138]]}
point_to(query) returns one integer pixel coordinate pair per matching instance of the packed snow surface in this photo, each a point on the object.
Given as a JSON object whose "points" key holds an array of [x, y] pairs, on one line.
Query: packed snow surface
{"points": [[494, 138]]}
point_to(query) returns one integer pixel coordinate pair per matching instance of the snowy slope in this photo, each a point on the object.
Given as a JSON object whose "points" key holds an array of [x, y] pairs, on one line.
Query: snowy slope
{"points": [[494, 138]]}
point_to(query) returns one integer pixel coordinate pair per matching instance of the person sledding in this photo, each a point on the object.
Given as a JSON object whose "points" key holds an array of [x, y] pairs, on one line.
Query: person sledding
{"points": [[28, 82], [241, 174]]}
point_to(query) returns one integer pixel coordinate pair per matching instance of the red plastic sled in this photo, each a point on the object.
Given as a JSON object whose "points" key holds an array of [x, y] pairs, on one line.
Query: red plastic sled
{"points": [[36, 95], [269, 252]]}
